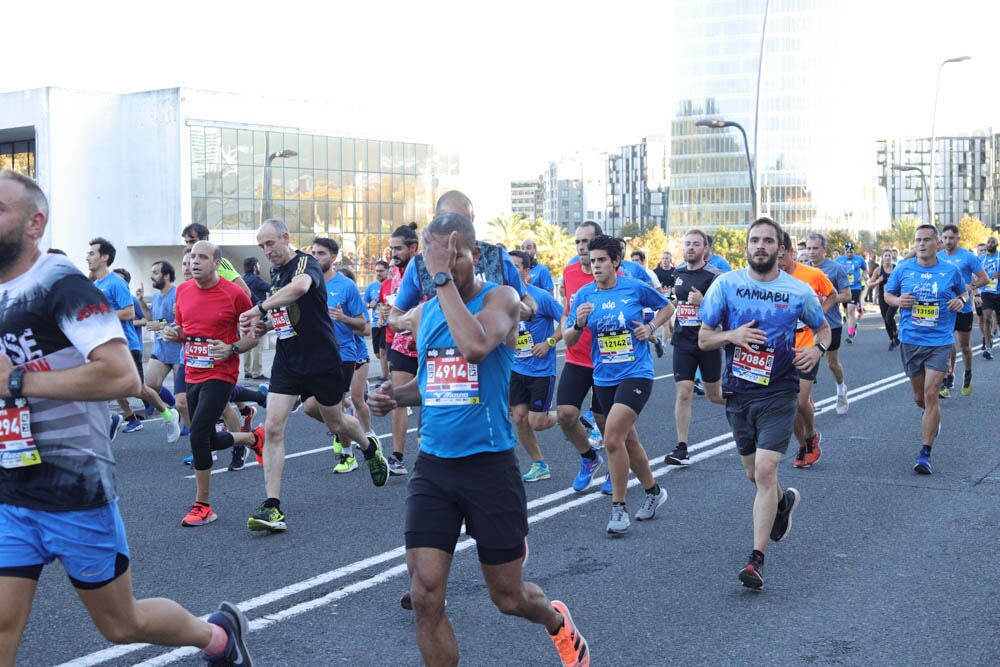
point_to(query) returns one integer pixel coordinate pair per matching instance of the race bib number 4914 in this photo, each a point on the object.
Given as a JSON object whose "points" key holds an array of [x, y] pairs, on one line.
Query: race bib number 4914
{"points": [[451, 379], [17, 448]]}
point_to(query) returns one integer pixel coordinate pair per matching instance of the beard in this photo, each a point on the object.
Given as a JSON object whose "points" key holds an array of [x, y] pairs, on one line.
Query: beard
{"points": [[763, 265], [159, 284], [10, 252]]}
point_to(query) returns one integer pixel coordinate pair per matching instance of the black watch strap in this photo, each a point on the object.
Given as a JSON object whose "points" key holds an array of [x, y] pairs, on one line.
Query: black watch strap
{"points": [[15, 382]]}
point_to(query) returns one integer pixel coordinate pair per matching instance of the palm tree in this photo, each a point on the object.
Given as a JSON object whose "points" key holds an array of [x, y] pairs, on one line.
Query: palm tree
{"points": [[509, 231]]}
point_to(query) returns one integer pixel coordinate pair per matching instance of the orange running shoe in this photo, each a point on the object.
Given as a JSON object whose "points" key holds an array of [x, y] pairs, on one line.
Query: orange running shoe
{"points": [[199, 515], [813, 451], [258, 445], [572, 647]]}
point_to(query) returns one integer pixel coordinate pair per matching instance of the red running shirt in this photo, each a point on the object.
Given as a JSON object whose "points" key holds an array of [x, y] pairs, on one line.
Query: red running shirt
{"points": [[210, 313]]}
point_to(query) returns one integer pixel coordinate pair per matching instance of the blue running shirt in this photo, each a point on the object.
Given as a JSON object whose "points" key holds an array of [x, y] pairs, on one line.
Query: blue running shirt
{"points": [[616, 352], [162, 309], [838, 276], [990, 264], [852, 267], [116, 292], [464, 404], [540, 277], [735, 299], [535, 331], [928, 322], [967, 264], [343, 293]]}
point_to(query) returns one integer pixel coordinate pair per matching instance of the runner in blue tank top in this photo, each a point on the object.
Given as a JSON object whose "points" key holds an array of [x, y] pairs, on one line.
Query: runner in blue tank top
{"points": [[611, 308], [466, 469], [973, 276], [753, 314], [929, 293], [533, 379]]}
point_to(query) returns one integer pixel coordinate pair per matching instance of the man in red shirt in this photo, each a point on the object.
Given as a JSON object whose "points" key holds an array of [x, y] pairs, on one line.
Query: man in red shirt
{"points": [[207, 322], [577, 376]]}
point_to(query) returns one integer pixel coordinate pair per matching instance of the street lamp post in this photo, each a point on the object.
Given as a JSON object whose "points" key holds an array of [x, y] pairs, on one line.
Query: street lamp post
{"points": [[719, 124], [265, 207], [923, 178], [937, 90]]}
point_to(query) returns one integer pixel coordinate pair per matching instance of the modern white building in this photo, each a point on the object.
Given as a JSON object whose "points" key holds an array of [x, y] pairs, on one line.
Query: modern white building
{"points": [[137, 168]]}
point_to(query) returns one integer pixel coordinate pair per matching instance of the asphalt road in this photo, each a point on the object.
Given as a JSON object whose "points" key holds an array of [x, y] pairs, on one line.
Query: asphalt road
{"points": [[882, 566]]}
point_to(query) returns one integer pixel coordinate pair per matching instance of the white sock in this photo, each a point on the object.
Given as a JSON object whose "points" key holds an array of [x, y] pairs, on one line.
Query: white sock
{"points": [[841, 389]]}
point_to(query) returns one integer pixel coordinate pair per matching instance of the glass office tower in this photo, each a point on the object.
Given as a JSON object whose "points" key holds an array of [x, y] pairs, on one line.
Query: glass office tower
{"points": [[801, 151]]}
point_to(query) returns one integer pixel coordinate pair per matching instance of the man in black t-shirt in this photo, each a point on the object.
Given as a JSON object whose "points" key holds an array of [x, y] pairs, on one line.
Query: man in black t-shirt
{"points": [[691, 281], [306, 363], [665, 273]]}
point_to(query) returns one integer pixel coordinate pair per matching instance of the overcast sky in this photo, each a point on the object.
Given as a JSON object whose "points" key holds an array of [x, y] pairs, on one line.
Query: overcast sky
{"points": [[511, 85]]}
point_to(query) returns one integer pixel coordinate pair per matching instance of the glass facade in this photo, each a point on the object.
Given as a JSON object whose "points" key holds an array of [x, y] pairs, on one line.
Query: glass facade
{"points": [[19, 156], [716, 53], [637, 186], [966, 177], [354, 190]]}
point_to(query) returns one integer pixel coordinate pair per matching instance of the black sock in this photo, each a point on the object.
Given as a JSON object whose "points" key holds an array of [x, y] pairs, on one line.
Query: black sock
{"points": [[590, 454], [655, 491], [682, 445], [398, 456], [198, 502], [757, 556], [273, 502]]}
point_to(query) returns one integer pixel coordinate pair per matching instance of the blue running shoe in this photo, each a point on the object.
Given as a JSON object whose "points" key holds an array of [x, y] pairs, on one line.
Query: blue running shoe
{"points": [[133, 426], [587, 469], [606, 487], [923, 463], [116, 425], [263, 389], [185, 431], [231, 619]]}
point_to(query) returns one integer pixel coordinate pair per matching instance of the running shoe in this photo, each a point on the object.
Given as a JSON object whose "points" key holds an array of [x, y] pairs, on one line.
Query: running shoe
{"points": [[247, 422], [595, 440], [587, 419], [842, 404], [850, 339], [678, 457], [258, 445], [378, 467], [116, 425], [894, 344], [267, 518], [199, 516], [752, 576], [967, 384], [619, 523], [263, 388], [189, 461], [185, 431], [813, 452], [572, 647], [173, 423], [783, 520], [232, 620], [133, 425], [347, 464], [396, 467], [240, 455], [406, 601], [699, 388], [647, 510], [800, 458], [658, 344], [537, 472], [606, 488], [987, 354], [944, 392], [587, 469], [923, 463], [338, 448]]}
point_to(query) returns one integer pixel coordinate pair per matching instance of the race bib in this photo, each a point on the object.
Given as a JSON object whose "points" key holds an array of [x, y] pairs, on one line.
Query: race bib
{"points": [[616, 346], [925, 313], [282, 323], [158, 335], [991, 285], [17, 448], [451, 379], [687, 315], [850, 278], [197, 353], [524, 344], [753, 365]]}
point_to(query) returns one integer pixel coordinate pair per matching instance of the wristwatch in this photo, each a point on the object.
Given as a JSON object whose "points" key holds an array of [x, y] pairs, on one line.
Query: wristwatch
{"points": [[822, 348], [441, 278], [261, 308], [234, 349], [551, 341], [15, 382], [576, 325]]}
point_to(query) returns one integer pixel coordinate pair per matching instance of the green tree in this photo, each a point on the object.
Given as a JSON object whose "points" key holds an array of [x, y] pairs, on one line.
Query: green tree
{"points": [[836, 240], [629, 230], [509, 231], [900, 233], [730, 244], [972, 231], [652, 242], [555, 246]]}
